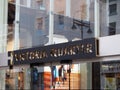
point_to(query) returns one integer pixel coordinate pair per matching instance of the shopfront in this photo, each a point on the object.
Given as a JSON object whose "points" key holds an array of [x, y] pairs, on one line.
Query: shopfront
{"points": [[110, 62], [52, 67], [110, 75]]}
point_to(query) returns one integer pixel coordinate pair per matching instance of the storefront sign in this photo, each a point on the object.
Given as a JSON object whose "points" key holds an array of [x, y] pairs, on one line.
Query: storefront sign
{"points": [[82, 49], [110, 67]]}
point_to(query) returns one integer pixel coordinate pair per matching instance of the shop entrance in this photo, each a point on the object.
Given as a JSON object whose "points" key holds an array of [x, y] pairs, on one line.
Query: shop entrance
{"points": [[55, 77], [110, 75]]}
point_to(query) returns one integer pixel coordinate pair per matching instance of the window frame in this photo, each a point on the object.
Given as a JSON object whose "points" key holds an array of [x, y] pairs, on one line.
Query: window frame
{"points": [[61, 19], [112, 0], [112, 28], [112, 9], [39, 23]]}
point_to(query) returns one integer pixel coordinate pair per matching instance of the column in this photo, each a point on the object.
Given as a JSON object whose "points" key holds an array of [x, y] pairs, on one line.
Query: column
{"points": [[88, 10], [51, 22], [68, 8], [89, 75], [3, 25], [83, 74], [107, 16], [29, 3], [16, 35], [96, 18]]}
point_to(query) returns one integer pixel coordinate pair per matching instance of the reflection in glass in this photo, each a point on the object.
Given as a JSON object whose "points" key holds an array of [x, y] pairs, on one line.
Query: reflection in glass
{"points": [[33, 32], [109, 22]]}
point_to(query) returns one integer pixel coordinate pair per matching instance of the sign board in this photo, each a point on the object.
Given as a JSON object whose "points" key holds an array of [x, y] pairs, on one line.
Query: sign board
{"points": [[81, 49]]}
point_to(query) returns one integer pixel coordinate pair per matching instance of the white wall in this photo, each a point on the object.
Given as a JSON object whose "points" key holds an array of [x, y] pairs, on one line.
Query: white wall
{"points": [[3, 59], [109, 45]]}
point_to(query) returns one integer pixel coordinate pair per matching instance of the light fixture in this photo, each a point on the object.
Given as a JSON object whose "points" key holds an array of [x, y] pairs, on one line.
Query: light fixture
{"points": [[74, 27], [81, 23], [89, 31]]}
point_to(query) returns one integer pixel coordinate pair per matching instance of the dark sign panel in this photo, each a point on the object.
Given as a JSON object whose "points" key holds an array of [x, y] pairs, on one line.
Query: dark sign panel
{"points": [[82, 49]]}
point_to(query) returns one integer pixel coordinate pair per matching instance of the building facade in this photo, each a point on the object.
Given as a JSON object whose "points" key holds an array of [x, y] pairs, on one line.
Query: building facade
{"points": [[28, 26]]}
